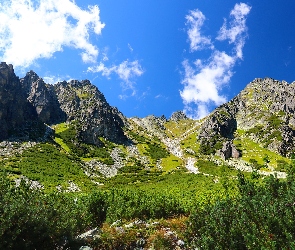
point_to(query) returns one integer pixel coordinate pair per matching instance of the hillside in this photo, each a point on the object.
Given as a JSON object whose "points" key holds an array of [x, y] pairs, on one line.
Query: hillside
{"points": [[66, 139], [254, 130]]}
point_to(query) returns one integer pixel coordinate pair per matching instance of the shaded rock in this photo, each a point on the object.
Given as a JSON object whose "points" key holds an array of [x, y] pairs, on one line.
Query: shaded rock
{"points": [[15, 111], [43, 97], [91, 234], [264, 109], [228, 151], [234, 152], [83, 103], [27, 103]]}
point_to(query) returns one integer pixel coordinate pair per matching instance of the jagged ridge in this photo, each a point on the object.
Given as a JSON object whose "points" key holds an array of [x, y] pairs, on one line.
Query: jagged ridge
{"points": [[80, 103], [264, 110]]}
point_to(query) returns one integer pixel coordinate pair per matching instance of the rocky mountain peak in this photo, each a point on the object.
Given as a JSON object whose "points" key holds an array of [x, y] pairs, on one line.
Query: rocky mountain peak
{"points": [[7, 76], [30, 99], [178, 115], [264, 110], [15, 111], [83, 102], [43, 97]]}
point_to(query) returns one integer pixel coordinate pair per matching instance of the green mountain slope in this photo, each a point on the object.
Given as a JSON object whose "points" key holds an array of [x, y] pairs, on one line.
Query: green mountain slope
{"points": [[90, 144], [143, 183]]}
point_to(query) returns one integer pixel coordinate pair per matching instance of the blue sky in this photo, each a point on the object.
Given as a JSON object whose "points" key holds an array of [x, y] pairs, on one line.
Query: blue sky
{"points": [[152, 57]]}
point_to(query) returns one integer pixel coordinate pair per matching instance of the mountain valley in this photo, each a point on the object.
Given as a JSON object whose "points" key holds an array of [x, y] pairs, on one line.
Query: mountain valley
{"points": [[66, 139]]}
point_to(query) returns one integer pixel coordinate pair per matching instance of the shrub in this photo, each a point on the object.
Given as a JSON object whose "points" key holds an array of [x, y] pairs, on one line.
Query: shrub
{"points": [[261, 217], [30, 219]]}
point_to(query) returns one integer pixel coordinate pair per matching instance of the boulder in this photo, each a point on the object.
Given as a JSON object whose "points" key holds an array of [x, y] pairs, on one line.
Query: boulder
{"points": [[228, 150]]}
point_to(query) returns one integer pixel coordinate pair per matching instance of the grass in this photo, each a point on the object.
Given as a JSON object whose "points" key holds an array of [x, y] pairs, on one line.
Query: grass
{"points": [[213, 169], [50, 166], [60, 142], [57, 164], [58, 128], [171, 163], [83, 95], [191, 143], [179, 128], [252, 150]]}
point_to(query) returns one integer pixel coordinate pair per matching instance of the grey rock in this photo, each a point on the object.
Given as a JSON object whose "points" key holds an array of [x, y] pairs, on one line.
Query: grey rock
{"points": [[177, 116], [31, 184], [27, 103], [83, 103], [91, 234], [228, 151], [43, 97], [15, 111], [267, 103], [85, 248]]}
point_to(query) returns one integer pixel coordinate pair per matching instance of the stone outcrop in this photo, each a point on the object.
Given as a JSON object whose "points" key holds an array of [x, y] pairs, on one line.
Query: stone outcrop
{"points": [[15, 111], [177, 116], [152, 123], [30, 100], [228, 150], [43, 97], [264, 110], [84, 104]]}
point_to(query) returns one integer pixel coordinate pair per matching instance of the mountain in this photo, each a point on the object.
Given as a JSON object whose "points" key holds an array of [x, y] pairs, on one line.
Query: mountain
{"points": [[79, 103], [263, 111], [15, 110], [143, 183], [67, 137]]}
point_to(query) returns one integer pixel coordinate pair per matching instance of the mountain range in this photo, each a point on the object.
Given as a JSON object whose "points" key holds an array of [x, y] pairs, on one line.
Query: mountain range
{"points": [[72, 122]]}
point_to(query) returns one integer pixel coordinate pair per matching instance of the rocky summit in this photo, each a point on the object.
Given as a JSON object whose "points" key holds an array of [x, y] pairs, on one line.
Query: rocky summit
{"points": [[29, 99], [263, 111]]}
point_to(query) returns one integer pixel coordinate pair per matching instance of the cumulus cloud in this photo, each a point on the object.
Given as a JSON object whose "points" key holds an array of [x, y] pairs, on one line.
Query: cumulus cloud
{"points": [[204, 79], [195, 20], [30, 30], [126, 71], [237, 28]]}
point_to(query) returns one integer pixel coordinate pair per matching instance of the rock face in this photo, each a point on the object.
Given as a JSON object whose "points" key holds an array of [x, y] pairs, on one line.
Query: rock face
{"points": [[43, 97], [15, 110], [83, 103], [177, 116], [30, 100], [264, 110], [228, 150]]}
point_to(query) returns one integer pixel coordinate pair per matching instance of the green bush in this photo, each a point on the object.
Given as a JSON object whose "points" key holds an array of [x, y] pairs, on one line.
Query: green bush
{"points": [[143, 204], [261, 217], [156, 151], [50, 166], [32, 220]]}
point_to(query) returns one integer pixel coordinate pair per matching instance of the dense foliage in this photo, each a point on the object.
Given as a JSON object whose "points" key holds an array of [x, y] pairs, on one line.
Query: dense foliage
{"points": [[68, 136], [262, 216], [32, 220], [48, 165], [243, 213]]}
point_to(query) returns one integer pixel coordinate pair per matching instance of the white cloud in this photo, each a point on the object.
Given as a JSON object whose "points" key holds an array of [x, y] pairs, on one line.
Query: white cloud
{"points": [[55, 79], [102, 68], [203, 80], [195, 20], [237, 30], [30, 30], [126, 71]]}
